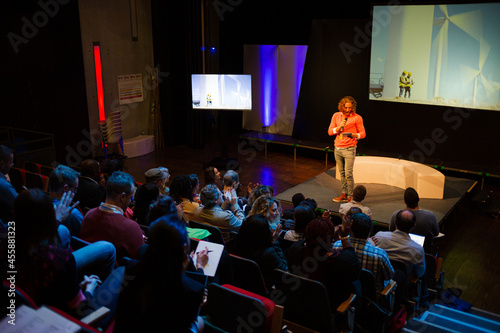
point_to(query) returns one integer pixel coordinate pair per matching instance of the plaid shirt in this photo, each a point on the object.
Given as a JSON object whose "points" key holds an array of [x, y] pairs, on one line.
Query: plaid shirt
{"points": [[373, 259]]}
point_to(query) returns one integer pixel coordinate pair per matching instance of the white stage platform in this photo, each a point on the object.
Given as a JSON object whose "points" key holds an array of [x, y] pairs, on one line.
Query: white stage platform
{"points": [[428, 182]]}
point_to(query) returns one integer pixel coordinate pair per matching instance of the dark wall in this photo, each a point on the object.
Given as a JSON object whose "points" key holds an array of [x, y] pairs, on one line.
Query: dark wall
{"points": [[337, 65], [465, 139], [44, 84]]}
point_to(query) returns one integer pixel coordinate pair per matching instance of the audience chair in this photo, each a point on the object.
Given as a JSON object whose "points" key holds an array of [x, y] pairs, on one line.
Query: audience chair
{"points": [[32, 167], [46, 170], [413, 285], [17, 178], [375, 317], [385, 298], [36, 180], [248, 276], [215, 234], [307, 305], [233, 309], [435, 274], [88, 323]]}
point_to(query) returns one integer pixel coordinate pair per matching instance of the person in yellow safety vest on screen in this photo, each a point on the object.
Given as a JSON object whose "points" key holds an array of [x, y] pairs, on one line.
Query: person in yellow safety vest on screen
{"points": [[408, 84], [402, 81]]}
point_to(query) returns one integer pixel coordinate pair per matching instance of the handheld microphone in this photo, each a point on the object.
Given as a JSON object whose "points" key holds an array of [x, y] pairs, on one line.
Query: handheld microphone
{"points": [[342, 127]]}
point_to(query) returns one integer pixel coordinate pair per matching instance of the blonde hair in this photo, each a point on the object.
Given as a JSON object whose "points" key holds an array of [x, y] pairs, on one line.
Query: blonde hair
{"points": [[262, 206]]}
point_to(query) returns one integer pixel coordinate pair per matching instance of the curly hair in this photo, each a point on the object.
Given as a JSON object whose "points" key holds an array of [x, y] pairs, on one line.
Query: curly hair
{"points": [[347, 99], [181, 187], [319, 232]]}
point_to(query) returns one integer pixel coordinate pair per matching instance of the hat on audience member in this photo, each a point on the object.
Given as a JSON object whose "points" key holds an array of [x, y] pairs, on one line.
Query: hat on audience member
{"points": [[154, 174]]}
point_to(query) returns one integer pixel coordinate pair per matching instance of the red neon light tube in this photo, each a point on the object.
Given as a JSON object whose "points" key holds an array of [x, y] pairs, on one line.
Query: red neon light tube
{"points": [[98, 79]]}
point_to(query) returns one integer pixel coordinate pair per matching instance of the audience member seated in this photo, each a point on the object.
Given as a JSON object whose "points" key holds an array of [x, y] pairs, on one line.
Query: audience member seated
{"points": [[158, 176], [426, 223], [195, 185], [315, 259], [313, 204], [64, 179], [358, 195], [271, 209], [255, 241], [160, 294], [261, 190], [45, 271], [212, 176], [401, 248], [372, 258], [182, 192], [7, 192], [107, 222], [297, 198], [164, 190], [302, 214], [91, 191], [145, 195], [399, 245], [109, 166], [231, 183], [165, 207], [224, 214]]}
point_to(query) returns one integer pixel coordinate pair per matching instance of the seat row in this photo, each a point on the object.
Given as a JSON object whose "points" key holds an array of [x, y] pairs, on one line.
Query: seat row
{"points": [[306, 303]]}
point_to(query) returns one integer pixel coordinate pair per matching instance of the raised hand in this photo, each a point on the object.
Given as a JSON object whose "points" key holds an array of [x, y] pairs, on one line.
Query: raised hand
{"points": [[64, 207]]}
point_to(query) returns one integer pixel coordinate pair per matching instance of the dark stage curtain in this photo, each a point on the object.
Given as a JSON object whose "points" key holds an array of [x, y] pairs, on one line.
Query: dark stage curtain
{"points": [[177, 53]]}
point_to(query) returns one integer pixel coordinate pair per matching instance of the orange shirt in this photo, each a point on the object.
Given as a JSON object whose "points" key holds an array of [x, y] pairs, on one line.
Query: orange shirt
{"points": [[353, 125]]}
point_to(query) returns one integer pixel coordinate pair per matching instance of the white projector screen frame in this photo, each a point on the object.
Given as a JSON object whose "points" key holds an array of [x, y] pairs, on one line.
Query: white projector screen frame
{"points": [[221, 91], [453, 52]]}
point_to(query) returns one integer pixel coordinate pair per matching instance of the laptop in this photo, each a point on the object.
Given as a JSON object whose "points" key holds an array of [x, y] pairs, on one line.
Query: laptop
{"points": [[418, 239]]}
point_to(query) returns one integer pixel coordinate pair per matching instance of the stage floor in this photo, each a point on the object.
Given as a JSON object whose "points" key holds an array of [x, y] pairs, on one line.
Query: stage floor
{"points": [[383, 200]]}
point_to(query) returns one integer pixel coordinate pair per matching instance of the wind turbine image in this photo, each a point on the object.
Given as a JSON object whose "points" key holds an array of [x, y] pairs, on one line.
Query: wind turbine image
{"points": [[241, 96], [469, 22], [470, 74]]}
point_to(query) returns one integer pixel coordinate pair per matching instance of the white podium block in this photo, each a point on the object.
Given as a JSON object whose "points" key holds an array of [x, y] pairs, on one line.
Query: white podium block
{"points": [[427, 181], [138, 146]]}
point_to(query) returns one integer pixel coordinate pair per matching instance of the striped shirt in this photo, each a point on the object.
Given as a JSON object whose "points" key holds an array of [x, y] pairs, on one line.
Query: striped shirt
{"points": [[373, 259]]}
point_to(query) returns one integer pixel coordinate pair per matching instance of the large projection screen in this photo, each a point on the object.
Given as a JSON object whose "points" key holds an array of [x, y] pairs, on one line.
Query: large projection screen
{"points": [[452, 52], [221, 91]]}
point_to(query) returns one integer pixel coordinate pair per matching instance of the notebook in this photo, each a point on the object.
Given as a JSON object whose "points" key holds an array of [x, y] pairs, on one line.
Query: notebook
{"points": [[215, 252]]}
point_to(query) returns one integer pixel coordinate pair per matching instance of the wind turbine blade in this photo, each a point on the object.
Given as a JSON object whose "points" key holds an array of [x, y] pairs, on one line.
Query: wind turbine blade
{"points": [[468, 74], [470, 22], [444, 9], [490, 86], [484, 50]]}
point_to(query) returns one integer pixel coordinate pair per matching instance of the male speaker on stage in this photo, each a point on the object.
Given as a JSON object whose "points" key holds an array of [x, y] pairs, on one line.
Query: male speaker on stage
{"points": [[349, 128]]}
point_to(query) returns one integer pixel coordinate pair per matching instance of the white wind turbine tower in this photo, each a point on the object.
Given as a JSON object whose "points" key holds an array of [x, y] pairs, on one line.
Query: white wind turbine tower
{"points": [[470, 74], [470, 22]]}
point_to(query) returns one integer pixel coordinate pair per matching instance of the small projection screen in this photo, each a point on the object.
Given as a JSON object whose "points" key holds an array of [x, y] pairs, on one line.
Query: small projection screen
{"points": [[221, 91], [437, 54]]}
